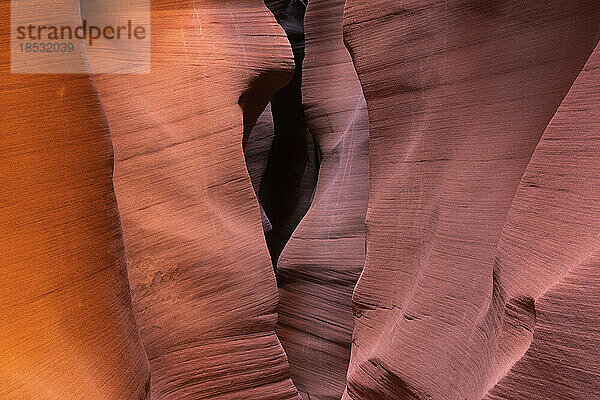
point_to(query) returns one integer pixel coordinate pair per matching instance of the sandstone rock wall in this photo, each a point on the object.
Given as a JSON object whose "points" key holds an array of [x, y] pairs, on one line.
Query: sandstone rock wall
{"points": [[203, 286], [324, 257], [68, 330], [465, 181], [557, 261], [473, 190]]}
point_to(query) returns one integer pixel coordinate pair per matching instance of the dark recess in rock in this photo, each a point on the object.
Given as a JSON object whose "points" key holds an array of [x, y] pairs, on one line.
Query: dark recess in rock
{"points": [[286, 186]]}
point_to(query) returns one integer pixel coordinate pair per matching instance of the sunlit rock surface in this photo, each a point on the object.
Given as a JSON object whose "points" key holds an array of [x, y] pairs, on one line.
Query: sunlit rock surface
{"points": [[68, 330]]}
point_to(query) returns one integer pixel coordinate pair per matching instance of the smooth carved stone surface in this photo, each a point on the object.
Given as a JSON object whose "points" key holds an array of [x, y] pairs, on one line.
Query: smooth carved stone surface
{"points": [[479, 280], [256, 152], [320, 264], [558, 208], [203, 286], [68, 330]]}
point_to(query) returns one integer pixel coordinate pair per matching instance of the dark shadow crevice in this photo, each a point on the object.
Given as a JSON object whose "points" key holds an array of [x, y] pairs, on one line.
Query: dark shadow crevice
{"points": [[281, 155]]}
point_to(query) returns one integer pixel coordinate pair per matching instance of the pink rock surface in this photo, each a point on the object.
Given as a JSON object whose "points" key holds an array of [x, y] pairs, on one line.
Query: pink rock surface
{"points": [[256, 152], [480, 272], [479, 180], [324, 257], [203, 286], [557, 261]]}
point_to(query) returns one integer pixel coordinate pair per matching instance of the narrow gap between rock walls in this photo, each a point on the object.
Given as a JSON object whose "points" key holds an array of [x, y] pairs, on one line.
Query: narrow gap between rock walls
{"points": [[281, 155]]}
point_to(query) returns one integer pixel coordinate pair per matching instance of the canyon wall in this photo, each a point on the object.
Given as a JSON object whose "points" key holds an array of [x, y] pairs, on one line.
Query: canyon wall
{"points": [[464, 180], [320, 264], [203, 286], [481, 248], [68, 329]]}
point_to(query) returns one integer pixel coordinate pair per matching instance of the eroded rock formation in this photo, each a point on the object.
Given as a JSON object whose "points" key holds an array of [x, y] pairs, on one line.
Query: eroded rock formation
{"points": [[479, 180], [203, 286], [289, 179], [320, 264], [557, 205], [68, 330], [477, 244], [256, 152]]}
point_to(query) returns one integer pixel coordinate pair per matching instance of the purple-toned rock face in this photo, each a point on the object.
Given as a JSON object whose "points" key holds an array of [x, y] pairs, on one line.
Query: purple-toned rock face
{"points": [[556, 262], [480, 222]]}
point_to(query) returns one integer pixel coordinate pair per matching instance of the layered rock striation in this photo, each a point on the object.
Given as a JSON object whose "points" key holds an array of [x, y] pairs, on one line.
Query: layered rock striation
{"points": [[68, 328], [465, 181], [320, 264], [203, 286], [480, 237]]}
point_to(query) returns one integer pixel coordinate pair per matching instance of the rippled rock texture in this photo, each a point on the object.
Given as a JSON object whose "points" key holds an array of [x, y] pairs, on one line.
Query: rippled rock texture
{"points": [[203, 286], [68, 330], [320, 264], [481, 269], [456, 145]]}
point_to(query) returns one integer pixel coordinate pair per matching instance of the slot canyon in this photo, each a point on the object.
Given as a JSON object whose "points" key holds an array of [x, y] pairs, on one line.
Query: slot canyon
{"points": [[301, 200]]}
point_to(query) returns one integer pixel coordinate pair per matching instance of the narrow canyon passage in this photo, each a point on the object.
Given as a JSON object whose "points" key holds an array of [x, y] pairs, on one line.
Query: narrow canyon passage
{"points": [[287, 181], [323, 258], [303, 200]]}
